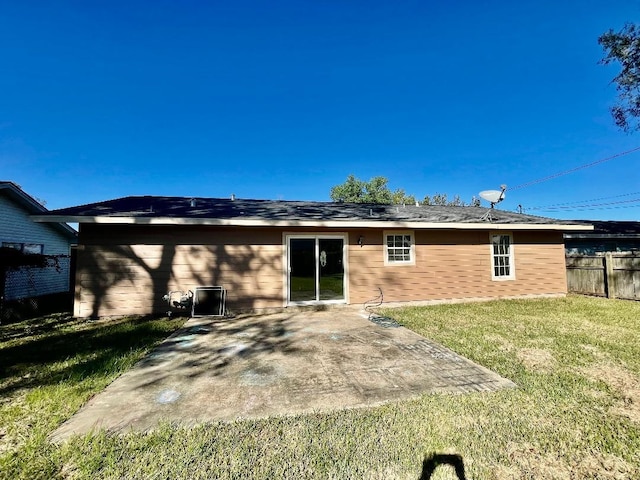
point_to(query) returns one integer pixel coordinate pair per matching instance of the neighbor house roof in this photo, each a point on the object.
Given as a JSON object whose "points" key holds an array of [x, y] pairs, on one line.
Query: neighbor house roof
{"points": [[32, 206], [608, 229], [241, 212]]}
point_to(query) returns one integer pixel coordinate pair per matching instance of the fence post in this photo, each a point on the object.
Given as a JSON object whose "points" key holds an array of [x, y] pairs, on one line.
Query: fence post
{"points": [[610, 281]]}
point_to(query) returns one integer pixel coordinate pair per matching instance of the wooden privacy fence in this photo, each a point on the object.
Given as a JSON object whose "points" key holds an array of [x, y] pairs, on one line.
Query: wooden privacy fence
{"points": [[612, 275]]}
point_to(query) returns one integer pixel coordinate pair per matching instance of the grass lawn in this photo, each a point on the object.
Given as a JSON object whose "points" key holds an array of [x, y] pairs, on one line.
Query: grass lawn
{"points": [[575, 413]]}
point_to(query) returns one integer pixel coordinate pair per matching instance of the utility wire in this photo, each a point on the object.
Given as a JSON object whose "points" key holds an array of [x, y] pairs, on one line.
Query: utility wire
{"points": [[582, 202], [572, 170], [578, 209], [571, 207]]}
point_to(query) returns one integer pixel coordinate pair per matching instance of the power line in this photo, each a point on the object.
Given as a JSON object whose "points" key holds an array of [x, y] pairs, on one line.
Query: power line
{"points": [[541, 207], [571, 207], [578, 209], [572, 170]]}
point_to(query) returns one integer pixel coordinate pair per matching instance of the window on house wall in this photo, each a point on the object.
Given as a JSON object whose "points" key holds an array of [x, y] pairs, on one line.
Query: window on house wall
{"points": [[399, 248], [28, 248], [32, 248], [502, 256]]}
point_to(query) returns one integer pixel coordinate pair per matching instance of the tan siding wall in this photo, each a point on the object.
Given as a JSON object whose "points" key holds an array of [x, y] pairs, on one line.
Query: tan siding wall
{"points": [[456, 265], [123, 270], [127, 269]]}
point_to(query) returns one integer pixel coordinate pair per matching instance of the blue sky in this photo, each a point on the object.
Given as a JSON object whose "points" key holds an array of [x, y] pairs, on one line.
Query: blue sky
{"points": [[283, 99]]}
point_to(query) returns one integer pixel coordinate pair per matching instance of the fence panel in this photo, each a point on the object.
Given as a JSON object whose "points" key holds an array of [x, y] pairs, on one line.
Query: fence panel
{"points": [[613, 275], [586, 275]]}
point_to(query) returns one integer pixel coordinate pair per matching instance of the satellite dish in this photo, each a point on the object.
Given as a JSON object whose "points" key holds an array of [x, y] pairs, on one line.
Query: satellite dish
{"points": [[493, 197]]}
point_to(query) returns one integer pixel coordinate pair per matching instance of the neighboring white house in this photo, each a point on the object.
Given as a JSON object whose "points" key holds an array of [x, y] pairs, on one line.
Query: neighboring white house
{"points": [[18, 231]]}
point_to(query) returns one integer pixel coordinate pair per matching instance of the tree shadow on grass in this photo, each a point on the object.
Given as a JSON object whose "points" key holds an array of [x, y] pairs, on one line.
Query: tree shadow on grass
{"points": [[36, 326], [56, 351], [67, 349]]}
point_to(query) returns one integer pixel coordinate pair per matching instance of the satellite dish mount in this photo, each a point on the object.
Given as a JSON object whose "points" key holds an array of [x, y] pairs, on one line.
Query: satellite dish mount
{"points": [[493, 197]]}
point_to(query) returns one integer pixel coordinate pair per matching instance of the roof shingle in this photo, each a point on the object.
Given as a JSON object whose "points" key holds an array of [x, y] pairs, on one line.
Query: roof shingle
{"points": [[141, 207]]}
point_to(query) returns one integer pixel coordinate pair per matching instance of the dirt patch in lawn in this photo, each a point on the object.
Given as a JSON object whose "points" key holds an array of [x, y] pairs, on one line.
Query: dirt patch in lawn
{"points": [[526, 461], [501, 342], [536, 359], [627, 385], [595, 351]]}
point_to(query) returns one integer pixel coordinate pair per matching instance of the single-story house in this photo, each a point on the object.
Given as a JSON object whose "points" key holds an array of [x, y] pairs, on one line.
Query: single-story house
{"points": [[274, 254], [616, 236], [20, 232]]}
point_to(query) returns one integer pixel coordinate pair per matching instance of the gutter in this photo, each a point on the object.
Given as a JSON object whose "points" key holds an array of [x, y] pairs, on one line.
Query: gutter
{"points": [[234, 222]]}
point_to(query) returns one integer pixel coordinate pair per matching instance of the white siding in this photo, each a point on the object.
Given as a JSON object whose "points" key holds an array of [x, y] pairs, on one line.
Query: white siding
{"points": [[17, 227], [33, 282]]}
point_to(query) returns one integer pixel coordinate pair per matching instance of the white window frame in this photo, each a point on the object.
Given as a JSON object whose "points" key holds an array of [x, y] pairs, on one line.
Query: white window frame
{"points": [[509, 256], [412, 248]]}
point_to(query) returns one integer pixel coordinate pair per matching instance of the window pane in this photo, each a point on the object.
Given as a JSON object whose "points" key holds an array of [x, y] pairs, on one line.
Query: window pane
{"points": [[32, 248], [16, 246], [398, 248], [501, 252]]}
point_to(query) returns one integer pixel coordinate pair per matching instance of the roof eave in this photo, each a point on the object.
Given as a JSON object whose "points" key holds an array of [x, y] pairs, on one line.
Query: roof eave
{"points": [[249, 222], [33, 207], [596, 235]]}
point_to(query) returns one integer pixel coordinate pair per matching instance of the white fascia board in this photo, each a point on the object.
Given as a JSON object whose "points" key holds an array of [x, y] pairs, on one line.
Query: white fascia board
{"points": [[239, 222]]}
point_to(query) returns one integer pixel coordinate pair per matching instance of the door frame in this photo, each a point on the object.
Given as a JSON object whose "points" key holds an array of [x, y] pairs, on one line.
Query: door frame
{"points": [[286, 259]]}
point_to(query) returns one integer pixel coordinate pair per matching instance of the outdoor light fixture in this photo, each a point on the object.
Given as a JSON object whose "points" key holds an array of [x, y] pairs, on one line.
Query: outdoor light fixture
{"points": [[360, 240]]}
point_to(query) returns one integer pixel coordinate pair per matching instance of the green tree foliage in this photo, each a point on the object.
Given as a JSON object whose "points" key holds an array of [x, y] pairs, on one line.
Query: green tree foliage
{"points": [[12, 259], [441, 199], [355, 190], [624, 47], [376, 190], [400, 197]]}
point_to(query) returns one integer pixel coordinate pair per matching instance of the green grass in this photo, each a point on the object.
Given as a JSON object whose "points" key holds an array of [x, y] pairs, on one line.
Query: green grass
{"points": [[52, 365], [575, 413]]}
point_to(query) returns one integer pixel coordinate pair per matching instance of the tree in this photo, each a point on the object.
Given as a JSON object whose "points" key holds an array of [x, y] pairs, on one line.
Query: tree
{"points": [[441, 199], [12, 260], [624, 47], [354, 190], [399, 197]]}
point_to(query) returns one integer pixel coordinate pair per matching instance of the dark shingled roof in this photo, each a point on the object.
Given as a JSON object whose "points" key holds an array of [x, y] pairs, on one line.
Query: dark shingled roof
{"points": [[281, 210], [620, 228]]}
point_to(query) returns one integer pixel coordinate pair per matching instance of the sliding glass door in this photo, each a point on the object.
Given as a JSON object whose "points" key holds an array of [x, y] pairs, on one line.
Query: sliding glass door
{"points": [[316, 270]]}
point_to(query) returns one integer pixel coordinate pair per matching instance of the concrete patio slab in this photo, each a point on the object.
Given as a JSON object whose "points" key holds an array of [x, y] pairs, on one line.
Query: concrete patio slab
{"points": [[278, 364]]}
